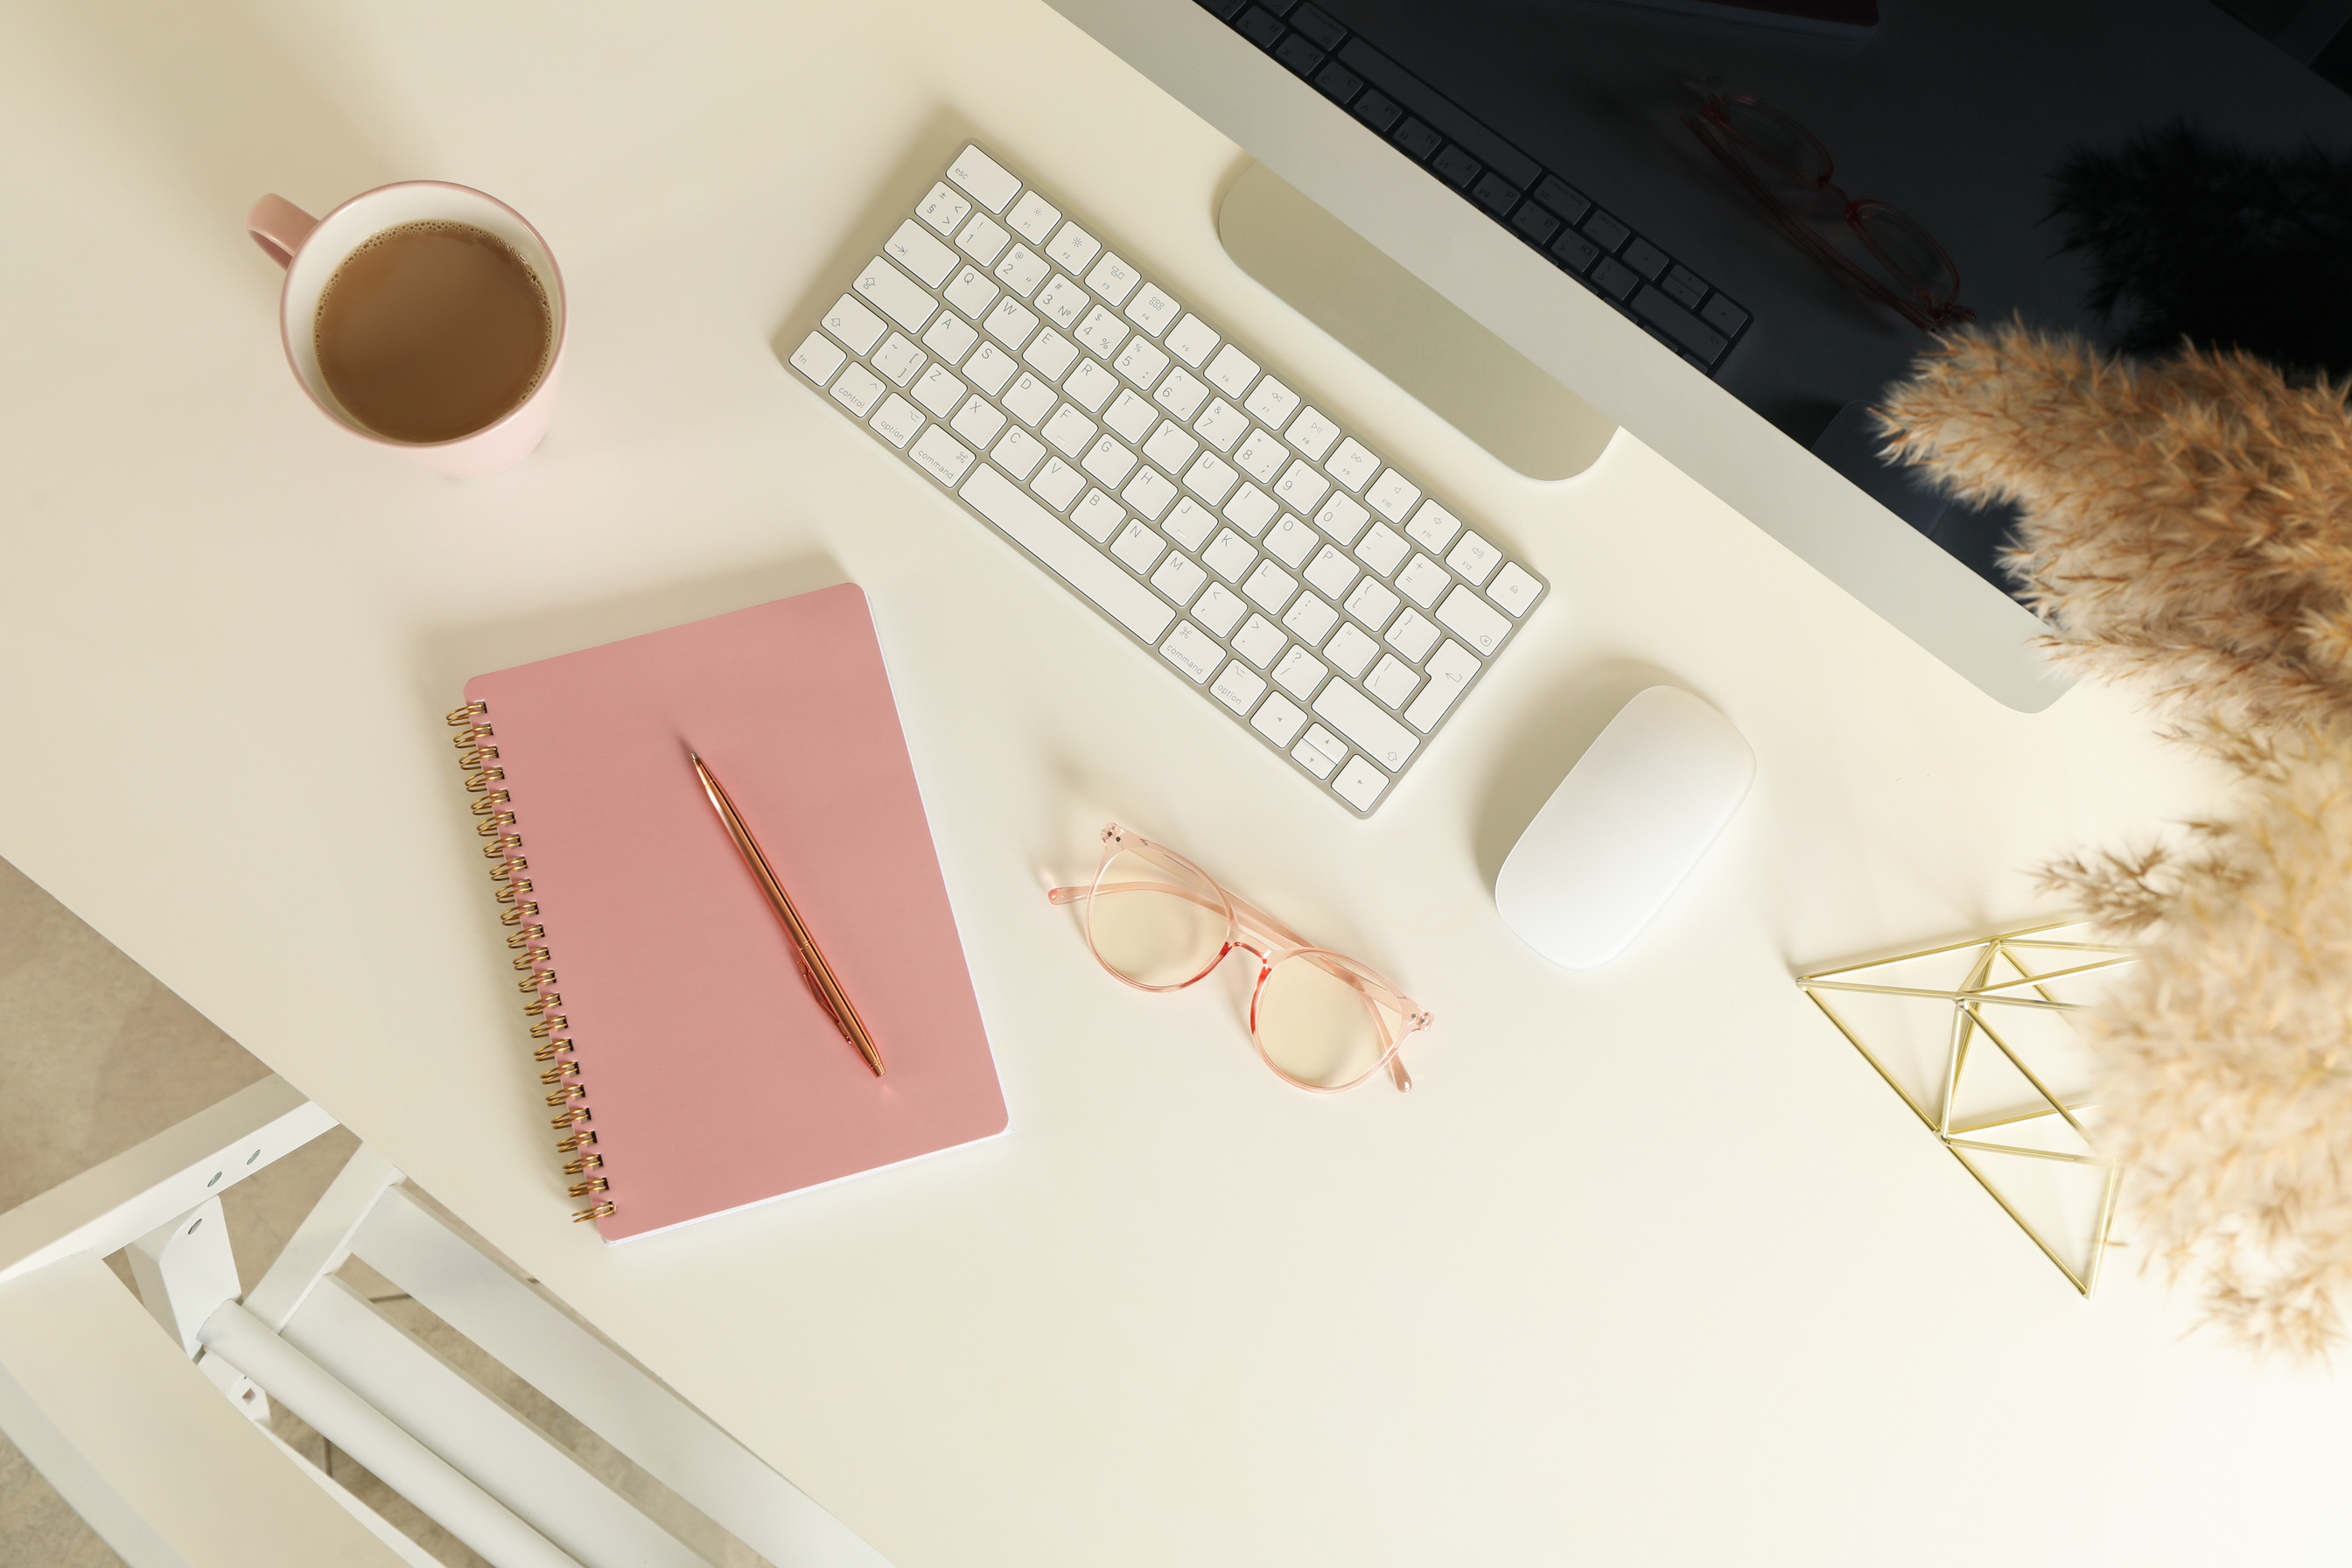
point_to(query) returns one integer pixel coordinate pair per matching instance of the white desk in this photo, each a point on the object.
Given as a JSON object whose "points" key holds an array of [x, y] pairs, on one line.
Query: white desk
{"points": [[1651, 1269]]}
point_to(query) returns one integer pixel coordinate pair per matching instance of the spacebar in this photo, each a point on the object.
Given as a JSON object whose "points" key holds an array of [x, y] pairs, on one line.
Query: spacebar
{"points": [[1063, 549]]}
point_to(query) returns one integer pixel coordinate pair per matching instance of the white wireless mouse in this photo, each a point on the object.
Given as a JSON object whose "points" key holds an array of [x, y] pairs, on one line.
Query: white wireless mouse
{"points": [[1623, 829]]}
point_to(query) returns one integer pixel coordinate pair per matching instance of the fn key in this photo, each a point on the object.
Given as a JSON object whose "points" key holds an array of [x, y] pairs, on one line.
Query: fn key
{"points": [[1678, 324]]}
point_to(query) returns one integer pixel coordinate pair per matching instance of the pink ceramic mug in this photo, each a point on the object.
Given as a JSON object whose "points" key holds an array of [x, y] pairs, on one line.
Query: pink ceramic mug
{"points": [[310, 249]]}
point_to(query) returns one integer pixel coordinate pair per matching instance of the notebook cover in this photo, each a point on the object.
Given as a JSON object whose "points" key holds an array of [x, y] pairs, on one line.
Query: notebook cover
{"points": [[712, 1077]]}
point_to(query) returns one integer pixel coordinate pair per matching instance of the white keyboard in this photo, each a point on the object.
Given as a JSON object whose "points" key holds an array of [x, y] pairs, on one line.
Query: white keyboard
{"points": [[1265, 557]]}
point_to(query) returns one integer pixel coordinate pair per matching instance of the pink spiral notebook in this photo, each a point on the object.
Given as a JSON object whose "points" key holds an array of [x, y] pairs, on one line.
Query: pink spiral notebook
{"points": [[690, 1069]]}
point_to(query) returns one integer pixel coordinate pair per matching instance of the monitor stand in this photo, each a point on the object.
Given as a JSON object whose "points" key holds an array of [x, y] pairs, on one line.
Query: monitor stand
{"points": [[1408, 331]]}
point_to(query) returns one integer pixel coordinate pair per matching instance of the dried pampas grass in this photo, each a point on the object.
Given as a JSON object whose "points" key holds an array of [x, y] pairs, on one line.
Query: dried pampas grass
{"points": [[2187, 530]]}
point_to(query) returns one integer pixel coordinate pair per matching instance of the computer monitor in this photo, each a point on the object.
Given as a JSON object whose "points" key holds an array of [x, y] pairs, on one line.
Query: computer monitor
{"points": [[1596, 182]]}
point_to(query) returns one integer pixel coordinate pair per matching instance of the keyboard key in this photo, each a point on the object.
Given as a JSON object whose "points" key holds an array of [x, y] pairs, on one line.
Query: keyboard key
{"points": [[854, 324], [1211, 479], [1251, 510], [1456, 167], [983, 239], [1131, 415], [1230, 556], [1686, 287], [1472, 620], [944, 209], [1351, 713], [1191, 340], [1058, 484], [1179, 578], [1311, 619], [1331, 573], [1424, 581], [1102, 331], [1270, 587], [1221, 426], [1372, 603], [971, 292], [1394, 495], [1112, 279], [1189, 650], [898, 296], [1063, 301], [1381, 549], [985, 178], [1108, 461], [938, 390], [1418, 139], [1604, 231], [1238, 686], [1138, 547], [1614, 278], [1069, 430], [950, 337], [1575, 252], [1299, 673], [1258, 641], [1411, 635], [1646, 259], [1537, 223], [898, 359], [1151, 310], [1260, 26], [1514, 589], [857, 390], [1031, 399], [1272, 403], [979, 422], [1341, 519], [1219, 608], [896, 421], [1352, 464], [1050, 353], [1451, 670], [1190, 525], [1022, 270], [941, 456], [1311, 433], [990, 369], [1181, 395], [1010, 324], [1494, 193], [1300, 487], [1261, 457], [1278, 720], [1681, 328], [1033, 218], [1292, 542], [1150, 492], [1432, 526], [1299, 54], [1474, 558], [1068, 556], [1019, 452], [1319, 751], [817, 359], [1562, 198], [1349, 649], [1232, 371], [1073, 248], [1724, 316], [1391, 680], [1171, 447], [1090, 385], [922, 253], [1378, 110], [1140, 362], [1358, 784], [1098, 516]]}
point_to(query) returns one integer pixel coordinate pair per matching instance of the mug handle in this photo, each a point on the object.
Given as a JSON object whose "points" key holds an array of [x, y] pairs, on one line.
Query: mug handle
{"points": [[280, 227]]}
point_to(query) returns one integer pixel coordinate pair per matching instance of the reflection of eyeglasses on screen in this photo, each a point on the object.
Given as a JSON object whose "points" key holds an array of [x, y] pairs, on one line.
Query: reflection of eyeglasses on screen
{"points": [[1768, 152]]}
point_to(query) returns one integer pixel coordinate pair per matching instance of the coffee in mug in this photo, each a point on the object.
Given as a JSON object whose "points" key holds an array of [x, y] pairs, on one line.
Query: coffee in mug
{"points": [[425, 317]]}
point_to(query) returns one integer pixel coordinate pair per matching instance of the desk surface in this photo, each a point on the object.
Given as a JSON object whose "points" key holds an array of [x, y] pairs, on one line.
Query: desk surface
{"points": [[1650, 1268]]}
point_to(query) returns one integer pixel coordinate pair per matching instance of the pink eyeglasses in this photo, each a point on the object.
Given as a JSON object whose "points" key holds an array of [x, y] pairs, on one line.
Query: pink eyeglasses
{"points": [[1759, 145], [1322, 1021]]}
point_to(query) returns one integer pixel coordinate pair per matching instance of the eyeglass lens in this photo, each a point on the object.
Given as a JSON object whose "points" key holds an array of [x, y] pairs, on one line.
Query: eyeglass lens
{"points": [[1906, 250], [1155, 921], [1324, 1022], [1776, 141]]}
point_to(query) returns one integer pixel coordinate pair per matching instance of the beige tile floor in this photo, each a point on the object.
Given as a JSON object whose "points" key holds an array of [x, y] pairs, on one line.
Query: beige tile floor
{"points": [[96, 1056]]}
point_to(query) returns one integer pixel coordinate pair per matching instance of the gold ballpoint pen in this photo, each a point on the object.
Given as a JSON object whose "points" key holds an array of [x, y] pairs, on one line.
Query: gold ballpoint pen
{"points": [[820, 975]]}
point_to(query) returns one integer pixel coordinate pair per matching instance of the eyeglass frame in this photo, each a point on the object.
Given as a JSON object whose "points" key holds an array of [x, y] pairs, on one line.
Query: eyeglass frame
{"points": [[1275, 944], [1712, 125]]}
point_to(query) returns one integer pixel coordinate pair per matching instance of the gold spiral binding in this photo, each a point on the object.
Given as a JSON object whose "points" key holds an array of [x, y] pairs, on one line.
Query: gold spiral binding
{"points": [[493, 809]]}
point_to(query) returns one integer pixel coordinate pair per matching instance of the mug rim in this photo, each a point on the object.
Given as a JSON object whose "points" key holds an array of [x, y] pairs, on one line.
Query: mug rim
{"points": [[554, 353]]}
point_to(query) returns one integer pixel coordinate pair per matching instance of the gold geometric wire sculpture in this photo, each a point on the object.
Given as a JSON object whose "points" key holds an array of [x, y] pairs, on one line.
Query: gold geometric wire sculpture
{"points": [[1974, 1036]]}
